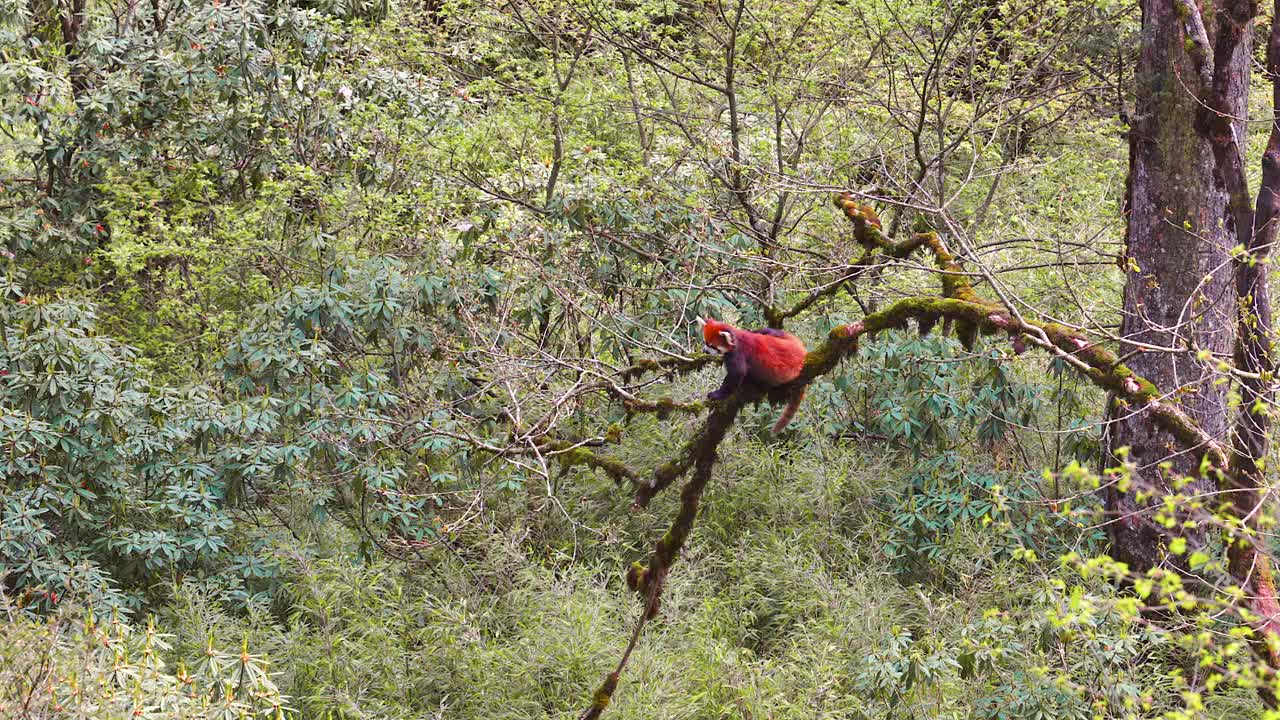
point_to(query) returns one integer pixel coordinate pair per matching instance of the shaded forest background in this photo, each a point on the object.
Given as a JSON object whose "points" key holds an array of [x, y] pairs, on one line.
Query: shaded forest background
{"points": [[349, 365]]}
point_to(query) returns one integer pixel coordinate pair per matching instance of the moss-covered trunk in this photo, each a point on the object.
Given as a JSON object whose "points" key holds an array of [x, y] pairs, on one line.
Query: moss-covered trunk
{"points": [[1178, 299]]}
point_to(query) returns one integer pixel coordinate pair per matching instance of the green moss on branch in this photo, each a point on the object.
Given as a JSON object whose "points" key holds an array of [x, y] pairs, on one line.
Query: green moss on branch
{"points": [[703, 444], [600, 700], [662, 407], [1100, 365], [955, 282], [678, 366], [569, 456]]}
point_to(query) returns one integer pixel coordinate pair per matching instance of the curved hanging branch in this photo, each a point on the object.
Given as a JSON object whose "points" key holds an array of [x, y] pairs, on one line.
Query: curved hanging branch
{"points": [[968, 313]]}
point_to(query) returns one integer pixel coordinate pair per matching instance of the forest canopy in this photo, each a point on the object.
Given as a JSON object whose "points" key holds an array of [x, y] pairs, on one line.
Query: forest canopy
{"points": [[351, 364]]}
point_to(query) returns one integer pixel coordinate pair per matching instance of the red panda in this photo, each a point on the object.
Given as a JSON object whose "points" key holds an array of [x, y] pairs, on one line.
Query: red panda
{"points": [[767, 357]]}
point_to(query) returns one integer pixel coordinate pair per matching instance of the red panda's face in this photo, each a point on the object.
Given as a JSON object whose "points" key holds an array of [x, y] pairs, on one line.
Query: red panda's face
{"points": [[717, 336], [721, 344]]}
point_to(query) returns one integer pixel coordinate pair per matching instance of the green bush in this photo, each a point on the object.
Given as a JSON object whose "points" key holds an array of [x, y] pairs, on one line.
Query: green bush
{"points": [[78, 666]]}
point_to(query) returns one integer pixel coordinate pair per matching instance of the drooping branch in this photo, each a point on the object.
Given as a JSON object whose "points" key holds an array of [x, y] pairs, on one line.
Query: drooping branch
{"points": [[703, 444], [648, 579]]}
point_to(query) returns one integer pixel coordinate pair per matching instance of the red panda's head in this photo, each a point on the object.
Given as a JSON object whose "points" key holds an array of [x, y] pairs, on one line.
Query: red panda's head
{"points": [[717, 335]]}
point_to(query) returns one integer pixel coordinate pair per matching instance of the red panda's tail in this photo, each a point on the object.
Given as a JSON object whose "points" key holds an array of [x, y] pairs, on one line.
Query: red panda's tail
{"points": [[789, 411]]}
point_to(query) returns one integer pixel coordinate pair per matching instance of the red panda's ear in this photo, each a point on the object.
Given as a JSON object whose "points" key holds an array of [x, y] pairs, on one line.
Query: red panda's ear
{"points": [[728, 337], [701, 322]]}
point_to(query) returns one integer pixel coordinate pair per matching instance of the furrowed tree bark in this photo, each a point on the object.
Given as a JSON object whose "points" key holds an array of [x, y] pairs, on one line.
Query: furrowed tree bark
{"points": [[1254, 355], [1218, 92], [1179, 290]]}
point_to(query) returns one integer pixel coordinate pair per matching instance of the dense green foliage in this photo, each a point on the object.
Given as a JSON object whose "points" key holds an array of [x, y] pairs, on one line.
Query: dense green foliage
{"points": [[293, 293]]}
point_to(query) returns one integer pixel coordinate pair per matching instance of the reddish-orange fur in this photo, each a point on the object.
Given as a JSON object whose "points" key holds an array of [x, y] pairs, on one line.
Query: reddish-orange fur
{"points": [[772, 359], [768, 358]]}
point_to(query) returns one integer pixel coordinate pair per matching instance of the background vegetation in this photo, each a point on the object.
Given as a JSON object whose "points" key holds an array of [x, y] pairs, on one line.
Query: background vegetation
{"points": [[323, 381]]}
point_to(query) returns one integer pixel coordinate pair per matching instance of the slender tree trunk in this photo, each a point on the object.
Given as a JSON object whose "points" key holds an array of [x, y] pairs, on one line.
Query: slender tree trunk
{"points": [[1179, 291], [1255, 355]]}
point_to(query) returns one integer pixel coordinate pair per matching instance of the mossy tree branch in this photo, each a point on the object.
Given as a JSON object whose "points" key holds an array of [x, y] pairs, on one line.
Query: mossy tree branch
{"points": [[775, 317], [570, 455], [674, 365], [969, 314], [662, 407]]}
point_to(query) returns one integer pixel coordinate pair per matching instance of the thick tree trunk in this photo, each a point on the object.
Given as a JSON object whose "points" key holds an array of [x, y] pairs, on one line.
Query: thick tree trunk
{"points": [[1179, 292]]}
